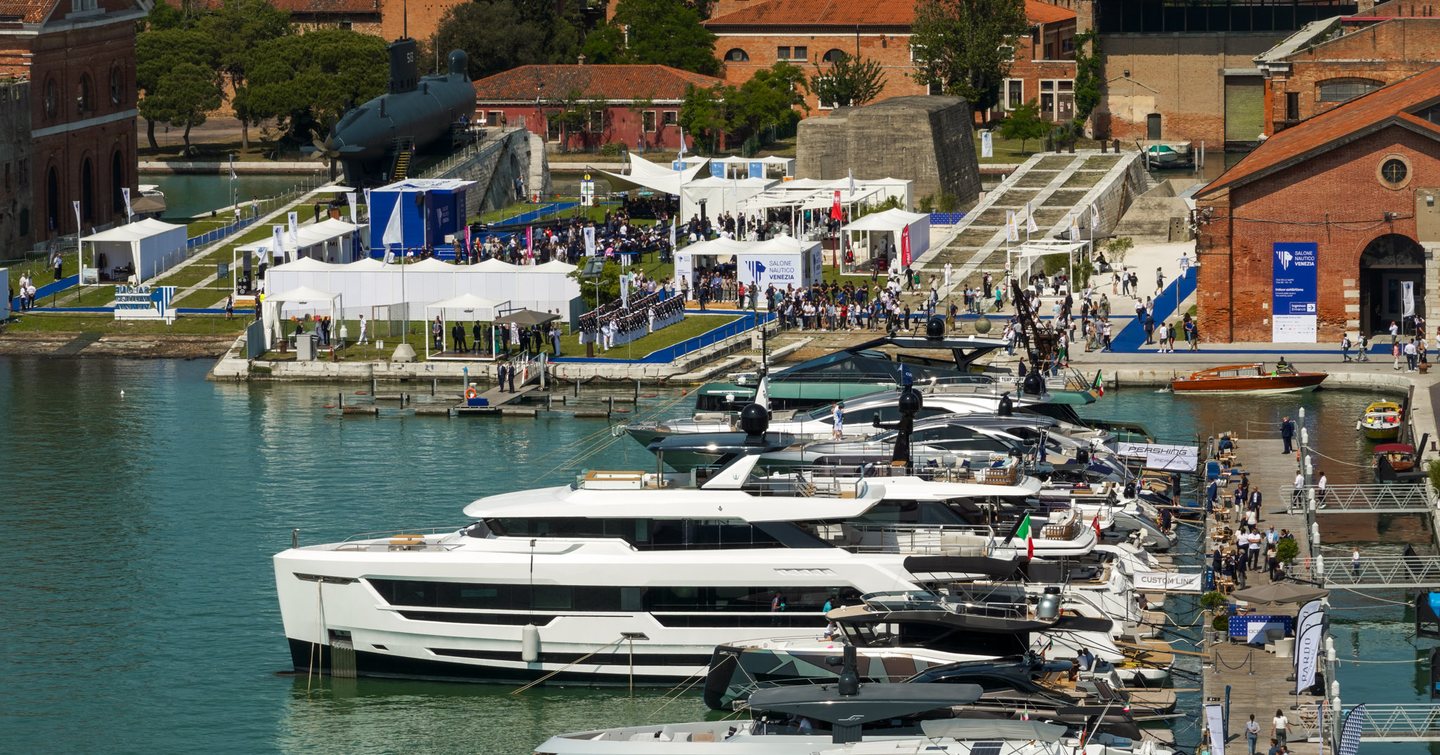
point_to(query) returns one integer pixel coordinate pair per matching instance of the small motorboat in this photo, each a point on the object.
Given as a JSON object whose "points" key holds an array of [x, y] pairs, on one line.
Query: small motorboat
{"points": [[1395, 462], [1249, 378], [1381, 420]]}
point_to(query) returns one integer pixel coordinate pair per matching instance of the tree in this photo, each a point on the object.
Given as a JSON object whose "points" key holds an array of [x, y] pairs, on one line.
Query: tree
{"points": [[306, 82], [661, 32], [965, 46], [1024, 123], [238, 27], [702, 113], [577, 114], [502, 34], [1087, 76], [159, 52], [847, 81], [768, 100]]}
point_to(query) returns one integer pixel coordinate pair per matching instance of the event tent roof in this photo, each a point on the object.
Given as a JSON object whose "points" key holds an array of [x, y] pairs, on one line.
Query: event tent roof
{"points": [[647, 175], [889, 220], [477, 307], [300, 295], [527, 317], [140, 229]]}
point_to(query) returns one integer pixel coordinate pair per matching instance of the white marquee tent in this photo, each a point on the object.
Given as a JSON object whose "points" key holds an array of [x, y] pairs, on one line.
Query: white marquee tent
{"points": [[781, 261], [330, 240], [719, 195], [1020, 259], [297, 302], [891, 230], [370, 283], [655, 177], [146, 247], [465, 308]]}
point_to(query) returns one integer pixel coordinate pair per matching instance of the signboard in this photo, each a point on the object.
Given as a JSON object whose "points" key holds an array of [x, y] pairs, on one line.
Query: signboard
{"points": [[144, 303], [1295, 292], [587, 191], [757, 169], [1167, 581], [1173, 458], [987, 144], [1307, 654], [778, 270]]}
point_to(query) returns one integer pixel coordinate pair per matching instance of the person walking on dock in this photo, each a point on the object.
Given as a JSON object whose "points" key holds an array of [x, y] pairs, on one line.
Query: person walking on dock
{"points": [[362, 338], [1320, 490], [1287, 434], [1252, 733], [500, 377], [1281, 727], [1345, 347]]}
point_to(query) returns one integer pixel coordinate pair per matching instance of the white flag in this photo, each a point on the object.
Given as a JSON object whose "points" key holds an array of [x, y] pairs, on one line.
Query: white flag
{"points": [[1074, 227], [277, 239], [625, 290], [762, 393], [232, 169], [852, 182], [76, 205], [590, 241], [293, 218], [1407, 294], [987, 144], [352, 200], [125, 192], [672, 235], [395, 228], [1030, 226], [367, 205], [1094, 220], [1012, 227]]}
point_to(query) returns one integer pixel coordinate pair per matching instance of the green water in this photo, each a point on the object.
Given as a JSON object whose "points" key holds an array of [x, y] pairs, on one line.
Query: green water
{"points": [[138, 603], [187, 196]]}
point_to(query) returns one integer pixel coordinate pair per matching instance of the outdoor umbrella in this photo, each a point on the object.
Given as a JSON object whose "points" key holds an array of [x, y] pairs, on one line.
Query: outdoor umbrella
{"points": [[1280, 592], [526, 317]]}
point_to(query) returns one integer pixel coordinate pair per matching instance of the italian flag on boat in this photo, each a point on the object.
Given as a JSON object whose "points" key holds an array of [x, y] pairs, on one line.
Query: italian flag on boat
{"points": [[1024, 531], [1099, 383]]}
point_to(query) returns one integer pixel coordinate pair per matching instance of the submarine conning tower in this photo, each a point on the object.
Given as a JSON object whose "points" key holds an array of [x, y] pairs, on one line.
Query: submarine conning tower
{"points": [[404, 68]]}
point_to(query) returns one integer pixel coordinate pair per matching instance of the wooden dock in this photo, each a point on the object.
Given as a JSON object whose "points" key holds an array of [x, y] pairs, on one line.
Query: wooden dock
{"points": [[1256, 677], [497, 401]]}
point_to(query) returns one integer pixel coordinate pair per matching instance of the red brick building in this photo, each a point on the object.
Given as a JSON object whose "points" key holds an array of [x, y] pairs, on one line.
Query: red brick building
{"points": [[79, 56], [1334, 61], [752, 35], [1361, 181], [589, 106]]}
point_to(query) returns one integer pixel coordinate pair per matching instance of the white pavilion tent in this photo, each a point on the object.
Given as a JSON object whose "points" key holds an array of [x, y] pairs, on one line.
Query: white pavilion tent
{"points": [[719, 195], [892, 230], [464, 308], [297, 302], [1020, 259], [330, 240], [145, 248], [778, 261], [371, 283], [653, 176]]}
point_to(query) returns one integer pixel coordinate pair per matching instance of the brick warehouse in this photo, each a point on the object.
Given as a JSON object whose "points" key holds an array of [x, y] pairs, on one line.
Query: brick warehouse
{"points": [[1330, 62], [754, 35], [1360, 181], [635, 106], [79, 57]]}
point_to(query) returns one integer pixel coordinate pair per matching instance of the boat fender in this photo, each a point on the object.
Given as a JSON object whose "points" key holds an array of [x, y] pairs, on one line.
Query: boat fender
{"points": [[530, 643]]}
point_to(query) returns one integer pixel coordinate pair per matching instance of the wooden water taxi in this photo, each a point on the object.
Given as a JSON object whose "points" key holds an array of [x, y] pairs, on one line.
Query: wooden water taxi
{"points": [[1381, 420], [1248, 378]]}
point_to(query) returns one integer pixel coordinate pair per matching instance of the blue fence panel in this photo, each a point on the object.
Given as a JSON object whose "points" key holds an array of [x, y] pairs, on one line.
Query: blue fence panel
{"points": [[49, 289], [946, 218]]}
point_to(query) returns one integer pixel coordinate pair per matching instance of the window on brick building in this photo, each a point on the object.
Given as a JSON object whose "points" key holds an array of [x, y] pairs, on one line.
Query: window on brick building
{"points": [[1007, 53], [1057, 99], [83, 103], [117, 85], [1014, 94], [1292, 106], [672, 117], [1393, 171], [785, 52], [647, 121], [51, 101], [834, 55], [1344, 90], [737, 55], [80, 6], [1431, 114], [494, 118]]}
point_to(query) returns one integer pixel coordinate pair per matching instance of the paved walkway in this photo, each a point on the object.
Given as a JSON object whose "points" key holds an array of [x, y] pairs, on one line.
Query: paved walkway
{"points": [[1255, 676]]}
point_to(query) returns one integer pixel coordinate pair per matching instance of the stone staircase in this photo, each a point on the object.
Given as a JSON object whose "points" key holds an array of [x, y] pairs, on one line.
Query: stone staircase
{"points": [[1053, 185]]}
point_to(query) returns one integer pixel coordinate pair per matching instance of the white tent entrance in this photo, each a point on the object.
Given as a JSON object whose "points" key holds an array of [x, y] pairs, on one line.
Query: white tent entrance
{"points": [[303, 304], [136, 251], [476, 317], [1020, 260], [898, 236]]}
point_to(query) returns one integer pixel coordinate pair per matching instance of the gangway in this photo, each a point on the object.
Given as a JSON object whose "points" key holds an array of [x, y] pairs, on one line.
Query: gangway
{"points": [[1394, 498], [1369, 572], [530, 373]]}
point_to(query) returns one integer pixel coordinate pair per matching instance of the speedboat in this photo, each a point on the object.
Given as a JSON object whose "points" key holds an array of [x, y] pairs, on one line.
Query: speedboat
{"points": [[1248, 378], [1395, 462], [1381, 420], [850, 718]]}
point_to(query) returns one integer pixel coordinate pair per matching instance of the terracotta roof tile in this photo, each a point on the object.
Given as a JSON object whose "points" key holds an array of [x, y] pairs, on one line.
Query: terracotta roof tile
{"points": [[610, 82], [306, 7], [28, 11], [854, 12], [1329, 129]]}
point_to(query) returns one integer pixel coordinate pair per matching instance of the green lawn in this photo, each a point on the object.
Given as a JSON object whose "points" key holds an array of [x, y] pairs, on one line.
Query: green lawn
{"points": [[1008, 150], [75, 323]]}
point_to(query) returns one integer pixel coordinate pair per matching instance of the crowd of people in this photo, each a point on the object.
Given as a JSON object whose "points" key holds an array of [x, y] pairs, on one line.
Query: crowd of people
{"points": [[616, 235], [651, 304], [26, 292]]}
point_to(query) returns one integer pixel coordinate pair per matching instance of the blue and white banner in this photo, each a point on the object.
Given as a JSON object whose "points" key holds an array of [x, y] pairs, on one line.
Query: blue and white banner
{"points": [[1350, 731], [1307, 652], [1215, 724], [144, 303], [1295, 292]]}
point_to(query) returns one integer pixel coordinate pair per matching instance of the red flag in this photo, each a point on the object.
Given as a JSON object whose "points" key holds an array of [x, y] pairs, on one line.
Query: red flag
{"points": [[905, 247], [835, 212], [1096, 524], [1029, 547]]}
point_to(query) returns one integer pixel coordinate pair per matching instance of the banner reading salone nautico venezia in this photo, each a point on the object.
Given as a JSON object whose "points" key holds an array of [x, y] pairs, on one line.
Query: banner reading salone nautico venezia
{"points": [[1293, 302]]}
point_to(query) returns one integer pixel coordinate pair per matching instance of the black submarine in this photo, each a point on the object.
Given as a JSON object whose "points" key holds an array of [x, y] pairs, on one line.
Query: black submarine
{"points": [[375, 141]]}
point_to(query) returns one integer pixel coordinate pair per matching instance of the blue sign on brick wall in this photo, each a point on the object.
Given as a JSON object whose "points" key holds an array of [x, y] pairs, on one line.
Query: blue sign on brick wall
{"points": [[1295, 292]]}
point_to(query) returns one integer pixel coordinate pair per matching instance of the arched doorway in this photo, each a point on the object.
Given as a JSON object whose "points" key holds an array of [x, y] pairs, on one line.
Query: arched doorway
{"points": [[1385, 265], [117, 182], [87, 190], [52, 201]]}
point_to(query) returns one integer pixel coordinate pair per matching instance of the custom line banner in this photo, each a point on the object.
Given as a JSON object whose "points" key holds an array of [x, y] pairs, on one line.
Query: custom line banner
{"points": [[1167, 581]]}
